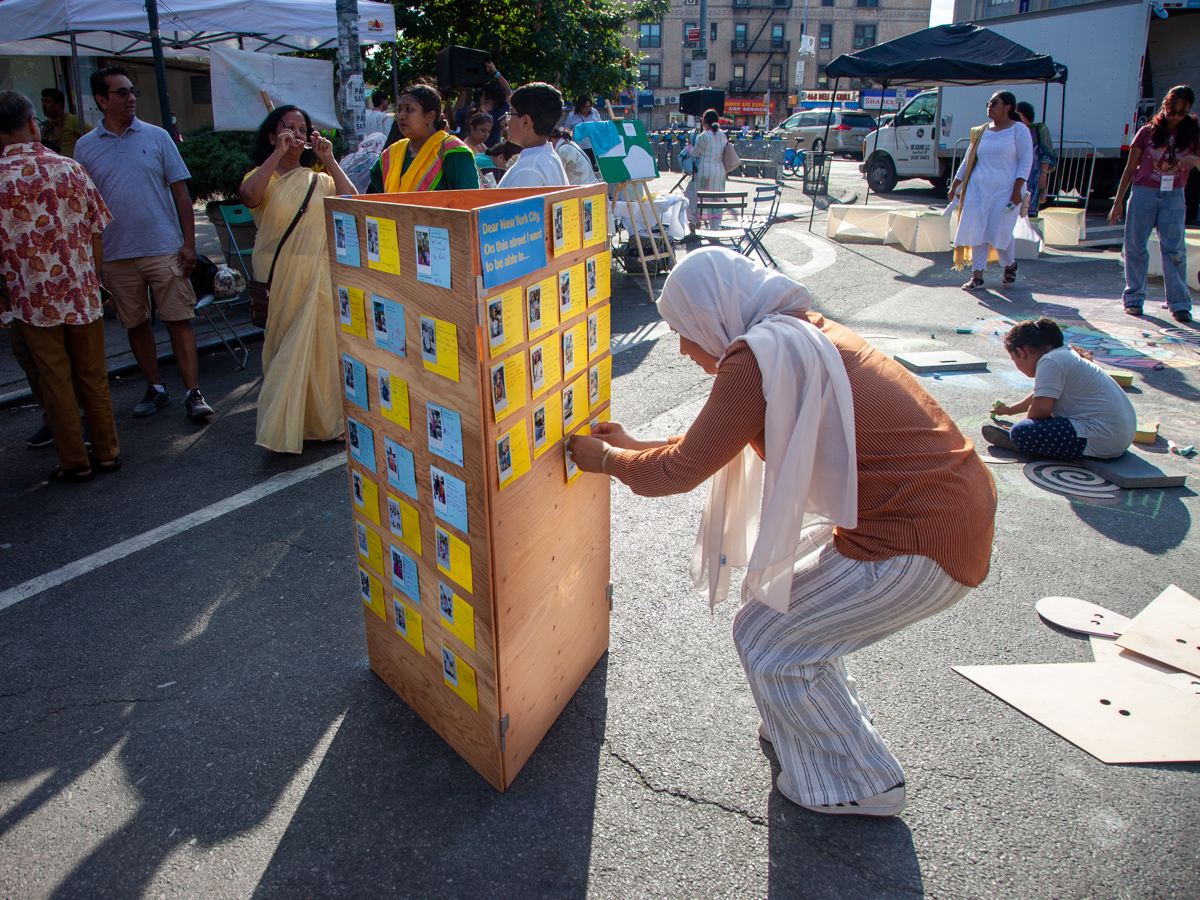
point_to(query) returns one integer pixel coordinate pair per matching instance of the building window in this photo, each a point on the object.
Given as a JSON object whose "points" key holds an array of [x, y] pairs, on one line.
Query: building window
{"points": [[688, 27], [825, 41], [776, 76], [864, 36], [870, 3], [827, 2], [739, 77], [712, 31], [649, 35], [651, 74], [712, 71], [822, 78], [776, 37], [739, 36]]}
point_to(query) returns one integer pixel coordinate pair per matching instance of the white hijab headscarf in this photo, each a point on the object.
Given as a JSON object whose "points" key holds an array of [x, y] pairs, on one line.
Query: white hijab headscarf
{"points": [[715, 297]]}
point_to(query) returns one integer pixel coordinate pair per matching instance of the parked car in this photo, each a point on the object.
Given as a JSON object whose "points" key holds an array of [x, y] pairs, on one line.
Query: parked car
{"points": [[847, 128]]}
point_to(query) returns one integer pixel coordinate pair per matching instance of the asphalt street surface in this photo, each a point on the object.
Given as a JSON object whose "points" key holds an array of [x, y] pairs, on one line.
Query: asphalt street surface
{"points": [[197, 719]]}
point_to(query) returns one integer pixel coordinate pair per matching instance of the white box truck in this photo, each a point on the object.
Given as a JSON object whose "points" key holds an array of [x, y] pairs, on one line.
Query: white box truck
{"points": [[1121, 59]]}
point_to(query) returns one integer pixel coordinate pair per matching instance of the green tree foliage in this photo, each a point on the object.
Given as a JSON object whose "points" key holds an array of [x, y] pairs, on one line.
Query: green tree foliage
{"points": [[573, 44], [217, 160]]}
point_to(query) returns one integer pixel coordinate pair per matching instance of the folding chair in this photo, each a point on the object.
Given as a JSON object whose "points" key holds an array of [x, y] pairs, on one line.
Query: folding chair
{"points": [[239, 222], [763, 210], [207, 304], [729, 210]]}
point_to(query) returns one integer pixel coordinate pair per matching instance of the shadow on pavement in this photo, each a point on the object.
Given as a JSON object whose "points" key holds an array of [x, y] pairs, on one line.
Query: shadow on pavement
{"points": [[1165, 522]]}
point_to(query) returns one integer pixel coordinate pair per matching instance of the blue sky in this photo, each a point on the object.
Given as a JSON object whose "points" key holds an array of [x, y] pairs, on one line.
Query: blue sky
{"points": [[941, 12]]}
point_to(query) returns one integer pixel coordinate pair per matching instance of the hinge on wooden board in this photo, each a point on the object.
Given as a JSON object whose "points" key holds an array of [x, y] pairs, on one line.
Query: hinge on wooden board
{"points": [[608, 592], [479, 300], [503, 729]]}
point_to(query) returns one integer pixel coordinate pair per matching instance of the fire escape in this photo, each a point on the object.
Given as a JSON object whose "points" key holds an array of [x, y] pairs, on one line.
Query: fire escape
{"points": [[769, 44]]}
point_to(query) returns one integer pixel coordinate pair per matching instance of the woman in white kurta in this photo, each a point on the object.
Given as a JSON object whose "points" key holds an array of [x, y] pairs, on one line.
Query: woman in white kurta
{"points": [[709, 154], [992, 178]]}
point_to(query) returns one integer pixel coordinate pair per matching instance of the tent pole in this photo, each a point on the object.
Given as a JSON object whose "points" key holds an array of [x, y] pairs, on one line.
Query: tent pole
{"points": [[78, 79], [1045, 98], [160, 69], [882, 92]]}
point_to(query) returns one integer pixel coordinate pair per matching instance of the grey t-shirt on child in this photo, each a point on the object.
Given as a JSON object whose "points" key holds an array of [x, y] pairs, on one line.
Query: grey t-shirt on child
{"points": [[1097, 407], [134, 172]]}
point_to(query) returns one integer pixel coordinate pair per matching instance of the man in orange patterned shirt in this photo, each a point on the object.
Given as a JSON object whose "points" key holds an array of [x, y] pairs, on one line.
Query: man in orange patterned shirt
{"points": [[51, 216]]}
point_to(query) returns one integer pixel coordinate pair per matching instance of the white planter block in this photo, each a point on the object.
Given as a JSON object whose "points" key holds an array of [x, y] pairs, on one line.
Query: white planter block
{"points": [[1063, 227], [872, 219]]}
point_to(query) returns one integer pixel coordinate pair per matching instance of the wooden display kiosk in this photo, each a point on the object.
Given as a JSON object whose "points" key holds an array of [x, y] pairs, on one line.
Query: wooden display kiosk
{"points": [[474, 338]]}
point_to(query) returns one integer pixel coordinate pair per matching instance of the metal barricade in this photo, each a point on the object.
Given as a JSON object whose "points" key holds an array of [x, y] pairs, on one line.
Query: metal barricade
{"points": [[1070, 180]]}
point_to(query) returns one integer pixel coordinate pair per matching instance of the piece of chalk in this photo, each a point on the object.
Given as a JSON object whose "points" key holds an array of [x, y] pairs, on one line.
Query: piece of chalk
{"points": [[1190, 448], [932, 335], [963, 330]]}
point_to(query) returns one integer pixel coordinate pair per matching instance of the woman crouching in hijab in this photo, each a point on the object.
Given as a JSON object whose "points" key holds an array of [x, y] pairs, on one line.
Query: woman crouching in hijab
{"points": [[876, 511]]}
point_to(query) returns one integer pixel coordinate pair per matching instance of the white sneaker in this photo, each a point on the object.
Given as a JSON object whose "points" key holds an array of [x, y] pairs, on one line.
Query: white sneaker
{"points": [[763, 733], [889, 803]]}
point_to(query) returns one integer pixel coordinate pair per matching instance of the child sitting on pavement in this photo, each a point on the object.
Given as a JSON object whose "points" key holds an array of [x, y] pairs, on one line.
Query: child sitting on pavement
{"points": [[536, 109], [1075, 409]]}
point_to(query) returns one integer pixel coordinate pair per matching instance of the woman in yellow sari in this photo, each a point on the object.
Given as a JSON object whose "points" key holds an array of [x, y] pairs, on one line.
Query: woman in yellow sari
{"points": [[301, 396], [426, 157]]}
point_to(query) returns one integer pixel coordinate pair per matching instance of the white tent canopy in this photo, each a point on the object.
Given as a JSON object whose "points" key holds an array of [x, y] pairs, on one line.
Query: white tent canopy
{"points": [[189, 28]]}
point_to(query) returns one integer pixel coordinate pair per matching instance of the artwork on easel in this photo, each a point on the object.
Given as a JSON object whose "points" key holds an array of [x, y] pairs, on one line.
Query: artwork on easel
{"points": [[622, 149]]}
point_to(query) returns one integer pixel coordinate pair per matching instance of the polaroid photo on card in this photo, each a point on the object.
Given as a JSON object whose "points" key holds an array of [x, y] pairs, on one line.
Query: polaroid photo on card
{"points": [[393, 463], [591, 278], [344, 305], [438, 483], [385, 388], [395, 520], [446, 601], [539, 427], [504, 458], [572, 469], [339, 233], [499, 389], [589, 228], [373, 240], [559, 238], [424, 258], [593, 333], [495, 320], [363, 547], [401, 616], [352, 432], [534, 307], [397, 566], [379, 320], [357, 480], [348, 369], [364, 585], [594, 385], [429, 340], [433, 419], [568, 352], [564, 291], [449, 667], [568, 406], [443, 548], [537, 368]]}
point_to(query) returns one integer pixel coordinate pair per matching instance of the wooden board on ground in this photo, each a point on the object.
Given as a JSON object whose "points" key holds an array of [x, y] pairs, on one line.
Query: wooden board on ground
{"points": [[1074, 614], [941, 361], [1167, 630], [1106, 650], [1117, 713]]}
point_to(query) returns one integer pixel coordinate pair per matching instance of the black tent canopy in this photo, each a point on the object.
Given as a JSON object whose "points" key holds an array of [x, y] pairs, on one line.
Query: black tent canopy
{"points": [[948, 54]]}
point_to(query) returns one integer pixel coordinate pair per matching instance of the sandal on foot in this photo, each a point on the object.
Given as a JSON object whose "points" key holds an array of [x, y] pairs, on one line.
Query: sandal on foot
{"points": [[974, 284], [1010, 274], [71, 476], [107, 465]]}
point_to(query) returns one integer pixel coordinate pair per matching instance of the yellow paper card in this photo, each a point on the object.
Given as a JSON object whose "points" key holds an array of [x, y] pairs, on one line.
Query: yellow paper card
{"points": [[574, 349], [603, 272], [565, 222], [545, 367], [598, 331], [460, 678], [351, 311], [547, 424], [508, 386], [408, 624], [578, 289], [512, 454], [454, 558], [574, 404], [396, 410], [439, 347], [541, 306], [365, 494], [605, 381], [371, 591], [594, 211], [405, 522], [383, 248], [457, 614], [370, 547], [504, 315]]}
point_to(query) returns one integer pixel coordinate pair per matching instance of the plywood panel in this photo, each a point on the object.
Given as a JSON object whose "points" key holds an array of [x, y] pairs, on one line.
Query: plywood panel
{"points": [[1167, 630]]}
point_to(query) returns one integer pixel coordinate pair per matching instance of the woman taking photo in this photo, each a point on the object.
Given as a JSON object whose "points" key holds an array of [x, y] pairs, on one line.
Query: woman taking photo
{"points": [[860, 534], [426, 157], [1043, 156], [301, 397], [709, 153], [583, 112], [1161, 157], [992, 179]]}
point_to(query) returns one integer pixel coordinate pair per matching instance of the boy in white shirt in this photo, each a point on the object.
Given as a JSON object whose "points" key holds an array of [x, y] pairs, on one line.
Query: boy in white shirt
{"points": [[536, 109]]}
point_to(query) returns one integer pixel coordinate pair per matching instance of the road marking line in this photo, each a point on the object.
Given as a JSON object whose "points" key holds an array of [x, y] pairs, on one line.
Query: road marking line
{"points": [[823, 251], [155, 535]]}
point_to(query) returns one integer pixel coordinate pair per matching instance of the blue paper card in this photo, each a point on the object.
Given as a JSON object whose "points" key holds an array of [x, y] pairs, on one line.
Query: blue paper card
{"points": [[512, 240], [433, 255], [404, 574], [401, 467], [354, 379], [362, 443], [387, 320], [444, 429], [345, 239], [449, 498]]}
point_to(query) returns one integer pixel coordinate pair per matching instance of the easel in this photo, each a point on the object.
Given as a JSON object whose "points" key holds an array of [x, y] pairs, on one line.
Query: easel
{"points": [[639, 192]]}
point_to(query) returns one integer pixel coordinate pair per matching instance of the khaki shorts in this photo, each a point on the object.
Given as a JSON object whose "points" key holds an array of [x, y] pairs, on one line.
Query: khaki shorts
{"points": [[128, 279]]}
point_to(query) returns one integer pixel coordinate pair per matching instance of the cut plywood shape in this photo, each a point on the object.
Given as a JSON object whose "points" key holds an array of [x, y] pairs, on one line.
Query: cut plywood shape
{"points": [[941, 361], [1105, 650], [1167, 630], [1079, 615], [1117, 713], [872, 219], [1132, 470]]}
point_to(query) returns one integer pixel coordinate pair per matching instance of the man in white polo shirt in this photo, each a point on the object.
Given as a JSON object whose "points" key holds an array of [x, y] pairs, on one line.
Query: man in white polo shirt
{"points": [[536, 109], [151, 243]]}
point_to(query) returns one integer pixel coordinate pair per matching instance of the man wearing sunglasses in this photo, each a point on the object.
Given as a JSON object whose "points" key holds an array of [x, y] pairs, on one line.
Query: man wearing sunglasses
{"points": [[151, 244]]}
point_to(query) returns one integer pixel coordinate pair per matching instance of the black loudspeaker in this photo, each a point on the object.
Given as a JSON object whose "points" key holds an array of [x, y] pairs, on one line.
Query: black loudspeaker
{"points": [[697, 103], [462, 67]]}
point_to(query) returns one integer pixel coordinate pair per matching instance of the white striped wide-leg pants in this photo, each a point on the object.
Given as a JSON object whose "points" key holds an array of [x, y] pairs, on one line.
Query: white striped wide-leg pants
{"points": [[821, 732]]}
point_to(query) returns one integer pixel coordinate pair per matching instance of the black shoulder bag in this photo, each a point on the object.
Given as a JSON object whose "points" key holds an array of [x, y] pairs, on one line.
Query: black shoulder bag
{"points": [[259, 292]]}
